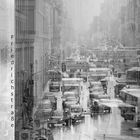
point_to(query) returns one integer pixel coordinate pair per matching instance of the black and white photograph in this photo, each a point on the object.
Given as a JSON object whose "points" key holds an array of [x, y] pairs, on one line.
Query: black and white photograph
{"points": [[69, 69]]}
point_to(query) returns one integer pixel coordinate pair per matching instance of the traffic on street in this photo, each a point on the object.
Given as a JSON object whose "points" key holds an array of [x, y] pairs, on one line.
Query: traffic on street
{"points": [[69, 69], [88, 108]]}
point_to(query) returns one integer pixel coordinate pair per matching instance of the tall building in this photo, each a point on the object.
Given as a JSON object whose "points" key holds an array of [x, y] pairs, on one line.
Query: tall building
{"points": [[38, 49], [127, 23], [24, 56], [130, 24], [56, 34], [42, 45]]}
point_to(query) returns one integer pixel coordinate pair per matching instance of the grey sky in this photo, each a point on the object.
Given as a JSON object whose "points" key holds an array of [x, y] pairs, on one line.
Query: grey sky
{"points": [[82, 12]]}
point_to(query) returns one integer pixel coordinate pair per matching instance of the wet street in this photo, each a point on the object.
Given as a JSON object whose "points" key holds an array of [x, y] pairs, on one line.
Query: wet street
{"points": [[94, 128], [99, 127]]}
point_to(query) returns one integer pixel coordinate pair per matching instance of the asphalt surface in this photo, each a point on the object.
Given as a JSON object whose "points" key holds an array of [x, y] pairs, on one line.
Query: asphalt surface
{"points": [[100, 127]]}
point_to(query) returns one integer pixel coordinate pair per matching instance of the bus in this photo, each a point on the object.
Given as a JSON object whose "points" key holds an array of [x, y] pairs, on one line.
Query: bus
{"points": [[96, 74], [72, 85], [131, 96]]}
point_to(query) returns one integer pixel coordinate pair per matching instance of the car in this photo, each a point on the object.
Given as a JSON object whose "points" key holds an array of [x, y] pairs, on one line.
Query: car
{"points": [[73, 113], [98, 107], [56, 119], [76, 113]]}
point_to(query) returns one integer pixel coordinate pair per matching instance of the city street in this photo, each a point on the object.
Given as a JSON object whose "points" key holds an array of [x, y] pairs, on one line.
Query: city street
{"points": [[112, 125], [94, 128], [70, 69]]}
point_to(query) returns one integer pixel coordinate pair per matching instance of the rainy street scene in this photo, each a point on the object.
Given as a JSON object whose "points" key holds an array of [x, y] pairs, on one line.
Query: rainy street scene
{"points": [[74, 69]]}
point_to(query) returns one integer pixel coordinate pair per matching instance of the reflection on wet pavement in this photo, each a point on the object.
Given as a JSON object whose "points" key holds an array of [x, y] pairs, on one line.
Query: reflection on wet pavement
{"points": [[112, 125]]}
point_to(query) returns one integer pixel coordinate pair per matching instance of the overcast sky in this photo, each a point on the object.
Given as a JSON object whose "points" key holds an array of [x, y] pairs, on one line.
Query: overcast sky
{"points": [[83, 11]]}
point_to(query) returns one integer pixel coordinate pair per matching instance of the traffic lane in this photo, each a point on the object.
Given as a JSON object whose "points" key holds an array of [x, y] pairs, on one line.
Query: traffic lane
{"points": [[90, 128], [112, 125], [76, 132]]}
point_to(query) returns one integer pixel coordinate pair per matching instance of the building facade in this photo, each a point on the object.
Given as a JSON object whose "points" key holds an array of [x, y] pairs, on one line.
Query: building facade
{"points": [[24, 58], [38, 41]]}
